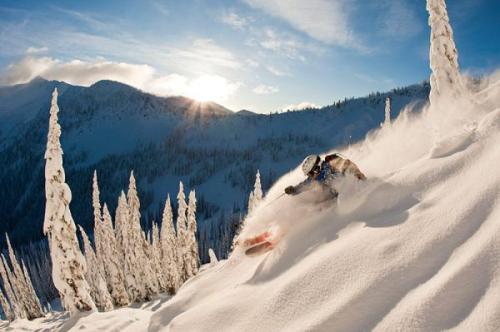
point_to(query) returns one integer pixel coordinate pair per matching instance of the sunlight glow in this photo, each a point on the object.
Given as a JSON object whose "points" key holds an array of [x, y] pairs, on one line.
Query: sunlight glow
{"points": [[211, 88]]}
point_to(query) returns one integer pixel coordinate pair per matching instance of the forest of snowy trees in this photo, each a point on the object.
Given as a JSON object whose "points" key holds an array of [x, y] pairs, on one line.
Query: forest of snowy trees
{"points": [[124, 264]]}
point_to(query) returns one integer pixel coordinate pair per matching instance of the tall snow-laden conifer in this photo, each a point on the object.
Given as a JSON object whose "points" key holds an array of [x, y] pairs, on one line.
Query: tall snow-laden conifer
{"points": [[99, 289], [10, 288], [124, 238], [68, 263], [26, 294], [115, 278], [387, 121], [256, 195], [156, 258], [7, 310], [251, 199], [257, 191], [193, 255], [169, 255], [142, 265], [99, 237], [121, 225], [445, 78], [182, 236], [32, 290]]}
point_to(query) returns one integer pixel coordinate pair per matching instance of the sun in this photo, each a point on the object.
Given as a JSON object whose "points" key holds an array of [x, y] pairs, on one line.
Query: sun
{"points": [[211, 88]]}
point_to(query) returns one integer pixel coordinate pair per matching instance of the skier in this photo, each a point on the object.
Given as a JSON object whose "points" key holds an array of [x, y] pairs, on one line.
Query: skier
{"points": [[324, 173], [319, 173]]}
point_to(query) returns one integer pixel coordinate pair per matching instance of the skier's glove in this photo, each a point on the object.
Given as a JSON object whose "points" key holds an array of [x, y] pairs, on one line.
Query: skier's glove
{"points": [[290, 190]]}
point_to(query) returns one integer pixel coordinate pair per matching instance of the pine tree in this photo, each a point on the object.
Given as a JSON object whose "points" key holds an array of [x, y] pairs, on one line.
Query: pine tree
{"points": [[156, 258], [31, 290], [9, 285], [256, 195], [169, 255], [68, 263], [257, 192], [152, 276], [26, 293], [445, 77], [387, 122], [7, 310], [213, 257], [182, 237], [141, 263], [121, 226], [99, 289], [125, 240], [251, 202], [99, 238], [193, 255], [113, 268]]}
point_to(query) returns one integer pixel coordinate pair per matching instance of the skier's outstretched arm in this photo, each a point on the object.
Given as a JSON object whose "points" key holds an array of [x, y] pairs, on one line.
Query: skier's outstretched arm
{"points": [[294, 190]]}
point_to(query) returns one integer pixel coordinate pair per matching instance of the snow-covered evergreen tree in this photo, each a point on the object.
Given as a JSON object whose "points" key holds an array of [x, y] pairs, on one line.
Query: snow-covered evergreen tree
{"points": [[257, 191], [387, 121], [156, 258], [138, 241], [251, 199], [169, 252], [99, 289], [152, 276], [121, 226], [193, 255], [10, 287], [256, 195], [445, 77], [68, 263], [125, 239], [38, 307], [212, 256], [26, 294], [99, 238], [112, 265], [4, 304], [182, 236]]}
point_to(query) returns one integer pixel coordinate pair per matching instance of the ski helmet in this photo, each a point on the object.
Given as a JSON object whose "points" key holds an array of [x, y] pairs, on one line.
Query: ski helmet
{"points": [[309, 163]]}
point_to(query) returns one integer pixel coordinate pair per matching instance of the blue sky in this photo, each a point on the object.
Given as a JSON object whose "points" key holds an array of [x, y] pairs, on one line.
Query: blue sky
{"points": [[262, 55]]}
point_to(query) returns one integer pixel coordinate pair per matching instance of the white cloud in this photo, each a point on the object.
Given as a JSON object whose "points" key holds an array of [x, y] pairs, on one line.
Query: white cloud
{"points": [[299, 106], [282, 44], [234, 20], [35, 50], [203, 55], [142, 76], [252, 63], [277, 72], [265, 89], [323, 20]]}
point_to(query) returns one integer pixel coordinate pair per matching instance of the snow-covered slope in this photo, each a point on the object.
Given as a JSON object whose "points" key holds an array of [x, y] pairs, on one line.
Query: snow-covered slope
{"points": [[414, 248]]}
